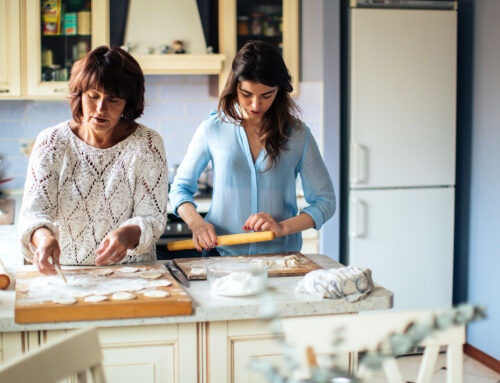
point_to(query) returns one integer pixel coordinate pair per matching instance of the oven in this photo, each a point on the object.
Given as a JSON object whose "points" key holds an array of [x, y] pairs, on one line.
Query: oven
{"points": [[176, 230]]}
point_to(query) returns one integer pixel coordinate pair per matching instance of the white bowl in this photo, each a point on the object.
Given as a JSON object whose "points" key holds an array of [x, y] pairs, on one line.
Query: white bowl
{"points": [[236, 278]]}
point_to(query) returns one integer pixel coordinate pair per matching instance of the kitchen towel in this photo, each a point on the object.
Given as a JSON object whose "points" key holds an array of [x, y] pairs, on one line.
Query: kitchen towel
{"points": [[350, 283]]}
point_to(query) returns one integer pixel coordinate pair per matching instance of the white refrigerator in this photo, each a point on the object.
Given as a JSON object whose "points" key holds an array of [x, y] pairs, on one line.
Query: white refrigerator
{"points": [[401, 132]]}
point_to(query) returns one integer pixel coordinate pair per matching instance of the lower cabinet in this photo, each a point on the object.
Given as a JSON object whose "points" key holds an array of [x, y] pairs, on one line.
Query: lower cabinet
{"points": [[231, 346], [185, 353], [11, 345]]}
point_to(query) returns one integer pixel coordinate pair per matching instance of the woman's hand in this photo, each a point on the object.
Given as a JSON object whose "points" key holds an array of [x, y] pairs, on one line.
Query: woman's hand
{"points": [[264, 222], [203, 232], [114, 246], [47, 254], [203, 235], [47, 250]]}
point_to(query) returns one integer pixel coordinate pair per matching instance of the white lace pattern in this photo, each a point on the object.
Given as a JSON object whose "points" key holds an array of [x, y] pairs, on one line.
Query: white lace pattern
{"points": [[81, 193]]}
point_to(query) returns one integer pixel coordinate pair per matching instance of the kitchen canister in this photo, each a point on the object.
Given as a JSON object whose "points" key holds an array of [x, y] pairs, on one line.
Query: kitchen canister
{"points": [[83, 22]]}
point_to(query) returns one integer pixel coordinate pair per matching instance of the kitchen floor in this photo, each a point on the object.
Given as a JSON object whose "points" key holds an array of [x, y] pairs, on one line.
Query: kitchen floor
{"points": [[474, 372]]}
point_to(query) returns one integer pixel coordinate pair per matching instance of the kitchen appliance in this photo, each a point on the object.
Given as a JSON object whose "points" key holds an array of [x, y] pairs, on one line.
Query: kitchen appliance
{"points": [[175, 230], [401, 160]]}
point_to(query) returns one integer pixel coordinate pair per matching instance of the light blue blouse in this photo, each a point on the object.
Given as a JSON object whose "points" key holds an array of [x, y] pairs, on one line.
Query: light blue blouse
{"points": [[242, 188]]}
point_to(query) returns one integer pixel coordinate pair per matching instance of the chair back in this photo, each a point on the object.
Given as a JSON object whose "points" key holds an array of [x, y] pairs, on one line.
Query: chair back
{"points": [[344, 334], [77, 354]]}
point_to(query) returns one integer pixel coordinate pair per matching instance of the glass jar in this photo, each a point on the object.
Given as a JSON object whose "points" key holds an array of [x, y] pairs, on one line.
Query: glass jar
{"points": [[256, 27], [243, 25]]}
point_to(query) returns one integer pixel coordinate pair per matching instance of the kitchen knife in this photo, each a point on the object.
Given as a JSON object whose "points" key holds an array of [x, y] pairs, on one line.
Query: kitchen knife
{"points": [[176, 273], [224, 240]]}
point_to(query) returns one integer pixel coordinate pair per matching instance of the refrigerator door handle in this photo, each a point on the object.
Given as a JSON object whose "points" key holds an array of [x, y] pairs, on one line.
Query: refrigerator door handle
{"points": [[359, 163], [357, 218]]}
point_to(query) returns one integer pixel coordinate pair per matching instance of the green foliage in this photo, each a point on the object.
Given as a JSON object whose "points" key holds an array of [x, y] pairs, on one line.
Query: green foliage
{"points": [[393, 345]]}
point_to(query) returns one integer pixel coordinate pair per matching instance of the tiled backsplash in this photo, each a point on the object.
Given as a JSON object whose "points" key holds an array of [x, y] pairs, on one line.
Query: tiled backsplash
{"points": [[175, 106]]}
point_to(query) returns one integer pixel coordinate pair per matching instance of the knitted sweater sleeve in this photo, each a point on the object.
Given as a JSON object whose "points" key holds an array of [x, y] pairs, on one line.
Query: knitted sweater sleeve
{"points": [[39, 206], [150, 194]]}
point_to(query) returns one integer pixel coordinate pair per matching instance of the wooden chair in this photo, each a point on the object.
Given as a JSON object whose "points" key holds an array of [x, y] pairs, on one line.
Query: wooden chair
{"points": [[348, 334], [75, 354]]}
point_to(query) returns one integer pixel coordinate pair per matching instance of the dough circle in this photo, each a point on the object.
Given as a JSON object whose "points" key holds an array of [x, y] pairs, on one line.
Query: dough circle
{"points": [[96, 298], [128, 270], [65, 301], [156, 294], [197, 271], [160, 282], [123, 296], [102, 272], [151, 275]]}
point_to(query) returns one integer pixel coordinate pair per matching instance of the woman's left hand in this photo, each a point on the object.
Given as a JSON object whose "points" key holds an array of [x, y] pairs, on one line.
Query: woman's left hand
{"points": [[264, 222], [115, 245]]}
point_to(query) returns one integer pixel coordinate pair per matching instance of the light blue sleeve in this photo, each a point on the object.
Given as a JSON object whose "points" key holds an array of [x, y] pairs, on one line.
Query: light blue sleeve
{"points": [[316, 183], [185, 183]]}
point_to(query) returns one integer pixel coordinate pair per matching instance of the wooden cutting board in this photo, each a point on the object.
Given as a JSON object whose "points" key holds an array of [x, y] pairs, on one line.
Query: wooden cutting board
{"points": [[35, 294], [275, 269]]}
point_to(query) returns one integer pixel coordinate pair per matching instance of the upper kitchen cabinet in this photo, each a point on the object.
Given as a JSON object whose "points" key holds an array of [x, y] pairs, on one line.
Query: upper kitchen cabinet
{"points": [[10, 49], [273, 21], [58, 33], [168, 36]]}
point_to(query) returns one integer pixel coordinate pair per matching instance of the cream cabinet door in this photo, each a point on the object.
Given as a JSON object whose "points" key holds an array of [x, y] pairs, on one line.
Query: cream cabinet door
{"points": [[146, 354], [36, 88], [232, 345], [11, 345], [10, 49]]}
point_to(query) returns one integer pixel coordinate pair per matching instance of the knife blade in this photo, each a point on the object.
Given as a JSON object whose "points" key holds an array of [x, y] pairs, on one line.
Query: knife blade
{"points": [[176, 273]]}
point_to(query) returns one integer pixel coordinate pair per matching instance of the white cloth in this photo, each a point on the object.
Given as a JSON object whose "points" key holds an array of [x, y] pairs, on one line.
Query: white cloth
{"points": [[81, 193], [350, 283]]}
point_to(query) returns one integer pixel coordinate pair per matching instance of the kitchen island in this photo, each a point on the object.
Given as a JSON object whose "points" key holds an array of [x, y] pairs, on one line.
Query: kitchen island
{"points": [[214, 344]]}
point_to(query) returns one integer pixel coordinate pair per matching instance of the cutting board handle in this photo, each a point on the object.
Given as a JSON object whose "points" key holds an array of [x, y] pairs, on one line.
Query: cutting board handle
{"points": [[225, 240]]}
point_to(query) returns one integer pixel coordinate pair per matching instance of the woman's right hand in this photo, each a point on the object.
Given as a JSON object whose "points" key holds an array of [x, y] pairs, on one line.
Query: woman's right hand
{"points": [[47, 251], [203, 232], [203, 235]]}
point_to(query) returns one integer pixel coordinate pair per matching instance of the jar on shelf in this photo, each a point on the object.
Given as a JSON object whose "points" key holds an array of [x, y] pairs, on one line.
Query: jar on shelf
{"points": [[243, 25], [256, 27], [268, 27]]}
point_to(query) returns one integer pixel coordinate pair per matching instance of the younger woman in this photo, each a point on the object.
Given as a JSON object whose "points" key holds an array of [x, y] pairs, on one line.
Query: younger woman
{"points": [[258, 147]]}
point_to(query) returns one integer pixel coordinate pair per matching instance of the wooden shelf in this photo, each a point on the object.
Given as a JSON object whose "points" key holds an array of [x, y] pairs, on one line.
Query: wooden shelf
{"points": [[181, 63]]}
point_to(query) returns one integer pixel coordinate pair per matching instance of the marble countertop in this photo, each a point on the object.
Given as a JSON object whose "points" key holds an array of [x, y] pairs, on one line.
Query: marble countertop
{"points": [[279, 295]]}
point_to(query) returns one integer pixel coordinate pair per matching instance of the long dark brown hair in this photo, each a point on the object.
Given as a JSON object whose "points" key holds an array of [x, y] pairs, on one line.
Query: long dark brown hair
{"points": [[261, 62], [113, 70]]}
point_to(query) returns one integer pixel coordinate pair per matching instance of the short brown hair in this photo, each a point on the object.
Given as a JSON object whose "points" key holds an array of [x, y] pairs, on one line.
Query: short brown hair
{"points": [[113, 70]]}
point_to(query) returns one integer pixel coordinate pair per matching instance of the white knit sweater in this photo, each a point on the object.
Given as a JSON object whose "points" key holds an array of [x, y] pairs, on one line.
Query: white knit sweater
{"points": [[81, 193]]}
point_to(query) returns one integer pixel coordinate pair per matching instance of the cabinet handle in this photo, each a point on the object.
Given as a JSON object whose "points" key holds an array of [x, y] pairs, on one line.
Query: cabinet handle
{"points": [[4, 90], [359, 157], [59, 90], [357, 218]]}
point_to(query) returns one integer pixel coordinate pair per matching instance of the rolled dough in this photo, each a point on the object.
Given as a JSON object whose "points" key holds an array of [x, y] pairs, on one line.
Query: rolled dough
{"points": [[156, 294]]}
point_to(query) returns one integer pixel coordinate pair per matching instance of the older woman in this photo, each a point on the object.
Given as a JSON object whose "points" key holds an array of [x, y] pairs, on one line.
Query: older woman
{"points": [[96, 190]]}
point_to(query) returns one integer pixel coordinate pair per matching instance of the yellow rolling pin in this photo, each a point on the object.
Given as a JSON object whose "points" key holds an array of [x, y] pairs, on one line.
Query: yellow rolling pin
{"points": [[4, 277], [224, 240]]}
